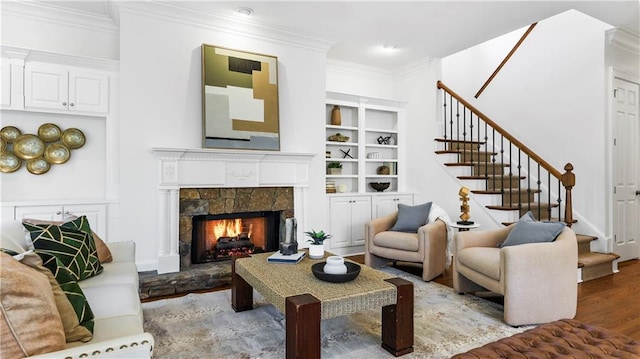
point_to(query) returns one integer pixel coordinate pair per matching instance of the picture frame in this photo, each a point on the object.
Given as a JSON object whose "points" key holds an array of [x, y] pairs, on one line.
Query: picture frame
{"points": [[239, 99]]}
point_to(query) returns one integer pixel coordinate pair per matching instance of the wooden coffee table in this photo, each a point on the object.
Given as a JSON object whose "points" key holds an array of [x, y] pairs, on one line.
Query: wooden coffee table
{"points": [[306, 300]]}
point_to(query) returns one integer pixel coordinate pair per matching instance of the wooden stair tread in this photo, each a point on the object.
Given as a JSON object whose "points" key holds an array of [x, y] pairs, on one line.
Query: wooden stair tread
{"points": [[459, 152], [506, 191], [484, 177], [534, 205], [595, 258], [459, 141], [476, 164], [585, 238]]}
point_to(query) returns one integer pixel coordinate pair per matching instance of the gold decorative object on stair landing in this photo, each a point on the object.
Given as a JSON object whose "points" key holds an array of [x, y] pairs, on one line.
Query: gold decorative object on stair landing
{"points": [[464, 208]]}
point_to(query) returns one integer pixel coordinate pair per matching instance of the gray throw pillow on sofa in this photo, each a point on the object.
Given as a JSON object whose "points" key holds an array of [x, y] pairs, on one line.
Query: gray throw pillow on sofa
{"points": [[410, 218], [528, 230]]}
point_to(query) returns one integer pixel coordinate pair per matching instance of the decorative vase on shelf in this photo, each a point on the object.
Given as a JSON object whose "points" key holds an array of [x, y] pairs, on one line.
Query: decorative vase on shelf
{"points": [[336, 119], [335, 265], [316, 251], [383, 170]]}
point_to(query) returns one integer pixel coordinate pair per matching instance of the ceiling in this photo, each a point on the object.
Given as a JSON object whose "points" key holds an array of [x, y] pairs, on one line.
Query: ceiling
{"points": [[419, 29]]}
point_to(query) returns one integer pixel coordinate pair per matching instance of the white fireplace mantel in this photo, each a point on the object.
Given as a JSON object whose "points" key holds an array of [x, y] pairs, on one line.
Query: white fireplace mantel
{"points": [[215, 168]]}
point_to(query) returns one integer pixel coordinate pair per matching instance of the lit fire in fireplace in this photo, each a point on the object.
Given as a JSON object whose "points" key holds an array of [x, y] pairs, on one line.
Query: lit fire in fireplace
{"points": [[228, 237], [230, 228]]}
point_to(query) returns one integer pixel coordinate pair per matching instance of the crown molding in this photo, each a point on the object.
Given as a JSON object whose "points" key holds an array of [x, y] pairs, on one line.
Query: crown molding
{"points": [[415, 67], [60, 16], [59, 58], [624, 39], [355, 69], [226, 24]]}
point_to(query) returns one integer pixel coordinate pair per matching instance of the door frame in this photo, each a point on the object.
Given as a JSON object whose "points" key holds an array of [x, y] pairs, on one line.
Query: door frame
{"points": [[614, 73]]}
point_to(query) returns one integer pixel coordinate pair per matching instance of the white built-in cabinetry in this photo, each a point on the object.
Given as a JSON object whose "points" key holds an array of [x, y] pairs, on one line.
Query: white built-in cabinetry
{"points": [[96, 213], [345, 213], [43, 82], [71, 91], [62, 88], [376, 138], [5, 90], [386, 204], [375, 128]]}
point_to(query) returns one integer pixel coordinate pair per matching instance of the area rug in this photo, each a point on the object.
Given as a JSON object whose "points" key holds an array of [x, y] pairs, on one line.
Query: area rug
{"points": [[205, 326]]}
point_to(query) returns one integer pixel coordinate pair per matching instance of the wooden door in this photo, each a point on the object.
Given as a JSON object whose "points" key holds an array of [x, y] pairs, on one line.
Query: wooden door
{"points": [[626, 213]]}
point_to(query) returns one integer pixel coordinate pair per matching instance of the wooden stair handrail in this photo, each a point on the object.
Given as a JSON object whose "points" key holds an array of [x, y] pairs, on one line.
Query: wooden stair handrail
{"points": [[524, 36], [557, 174]]}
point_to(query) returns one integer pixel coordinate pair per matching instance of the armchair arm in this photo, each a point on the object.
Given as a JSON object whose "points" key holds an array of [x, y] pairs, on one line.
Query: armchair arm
{"points": [[541, 278], [378, 225], [123, 251], [433, 233], [490, 238]]}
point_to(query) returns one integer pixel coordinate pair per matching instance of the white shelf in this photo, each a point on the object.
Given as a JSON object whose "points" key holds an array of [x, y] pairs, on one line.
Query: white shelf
{"points": [[335, 143], [381, 130], [342, 128]]}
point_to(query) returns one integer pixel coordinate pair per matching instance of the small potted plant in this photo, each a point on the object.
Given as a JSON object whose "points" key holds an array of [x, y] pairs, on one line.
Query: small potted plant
{"points": [[316, 248], [334, 168]]}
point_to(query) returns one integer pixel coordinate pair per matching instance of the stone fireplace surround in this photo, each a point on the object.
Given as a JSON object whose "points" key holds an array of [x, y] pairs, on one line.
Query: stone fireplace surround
{"points": [[184, 172], [203, 201]]}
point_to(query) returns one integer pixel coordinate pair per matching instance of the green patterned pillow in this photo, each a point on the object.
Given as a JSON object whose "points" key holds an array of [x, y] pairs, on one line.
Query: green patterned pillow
{"points": [[71, 289], [74, 247]]}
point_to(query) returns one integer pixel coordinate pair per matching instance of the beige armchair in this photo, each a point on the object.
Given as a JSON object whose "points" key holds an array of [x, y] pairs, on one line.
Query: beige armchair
{"points": [[428, 246], [538, 280]]}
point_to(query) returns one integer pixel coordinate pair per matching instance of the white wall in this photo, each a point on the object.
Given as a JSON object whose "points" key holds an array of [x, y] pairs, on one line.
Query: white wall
{"points": [[549, 96], [31, 26], [160, 102], [83, 176]]}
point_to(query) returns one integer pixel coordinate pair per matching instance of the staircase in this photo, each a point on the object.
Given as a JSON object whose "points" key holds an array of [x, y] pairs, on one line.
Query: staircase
{"points": [[508, 178]]}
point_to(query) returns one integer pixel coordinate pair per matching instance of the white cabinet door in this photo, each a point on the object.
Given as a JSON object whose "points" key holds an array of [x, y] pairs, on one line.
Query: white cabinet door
{"points": [[96, 214], [348, 216], [46, 88], [45, 213], [340, 221], [387, 204], [360, 214], [74, 90], [88, 92]]}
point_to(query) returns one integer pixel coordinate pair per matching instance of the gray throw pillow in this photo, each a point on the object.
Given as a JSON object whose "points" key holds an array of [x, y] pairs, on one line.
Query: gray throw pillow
{"points": [[528, 230], [410, 218]]}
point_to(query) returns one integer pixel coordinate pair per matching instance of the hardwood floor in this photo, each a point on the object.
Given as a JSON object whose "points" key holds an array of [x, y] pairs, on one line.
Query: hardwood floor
{"points": [[611, 302]]}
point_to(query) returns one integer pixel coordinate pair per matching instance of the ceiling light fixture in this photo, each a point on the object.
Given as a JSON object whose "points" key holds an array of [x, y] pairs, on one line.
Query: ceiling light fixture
{"points": [[389, 47], [246, 11]]}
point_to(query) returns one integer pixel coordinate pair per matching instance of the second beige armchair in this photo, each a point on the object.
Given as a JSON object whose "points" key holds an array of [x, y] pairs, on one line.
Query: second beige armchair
{"points": [[427, 246]]}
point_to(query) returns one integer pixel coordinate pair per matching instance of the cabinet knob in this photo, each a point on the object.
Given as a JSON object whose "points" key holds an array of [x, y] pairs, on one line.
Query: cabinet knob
{"points": [[64, 104], [71, 104], [58, 213]]}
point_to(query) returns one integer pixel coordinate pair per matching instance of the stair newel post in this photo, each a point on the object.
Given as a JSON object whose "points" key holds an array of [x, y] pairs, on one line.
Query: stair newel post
{"points": [[568, 181]]}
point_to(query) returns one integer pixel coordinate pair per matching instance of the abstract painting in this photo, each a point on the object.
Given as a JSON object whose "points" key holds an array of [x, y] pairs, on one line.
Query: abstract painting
{"points": [[239, 99]]}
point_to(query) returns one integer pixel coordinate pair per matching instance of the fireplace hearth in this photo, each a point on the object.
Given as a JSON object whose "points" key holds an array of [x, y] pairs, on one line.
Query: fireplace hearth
{"points": [[220, 237]]}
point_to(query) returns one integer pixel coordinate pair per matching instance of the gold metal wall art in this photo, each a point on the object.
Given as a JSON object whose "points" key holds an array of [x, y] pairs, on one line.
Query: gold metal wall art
{"points": [[51, 146]]}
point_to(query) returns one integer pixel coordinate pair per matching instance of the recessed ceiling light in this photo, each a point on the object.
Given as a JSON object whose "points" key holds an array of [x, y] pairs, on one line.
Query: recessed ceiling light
{"points": [[246, 11], [389, 47]]}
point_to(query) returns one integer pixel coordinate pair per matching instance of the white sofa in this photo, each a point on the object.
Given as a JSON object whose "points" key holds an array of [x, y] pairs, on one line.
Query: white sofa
{"points": [[113, 298]]}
